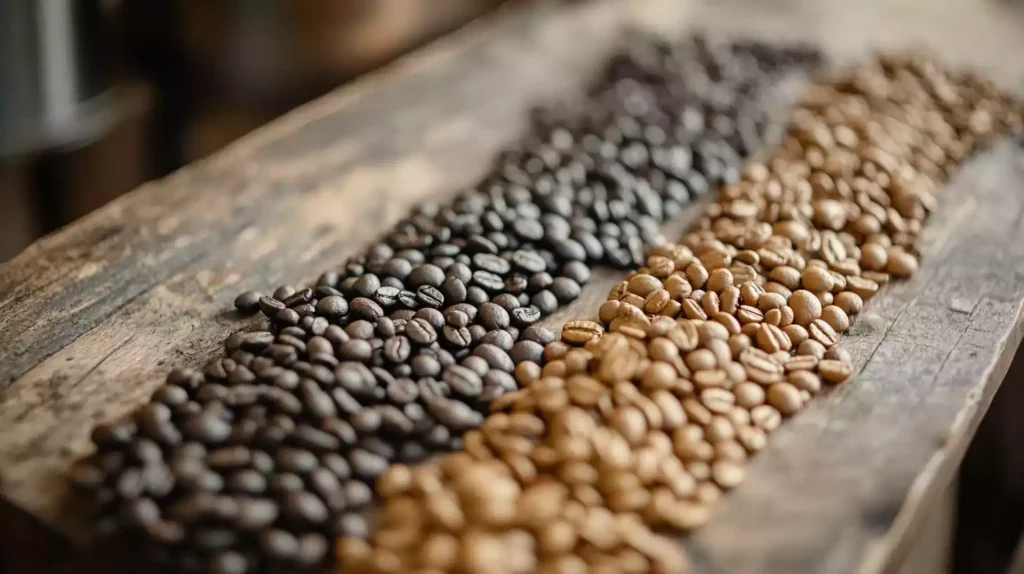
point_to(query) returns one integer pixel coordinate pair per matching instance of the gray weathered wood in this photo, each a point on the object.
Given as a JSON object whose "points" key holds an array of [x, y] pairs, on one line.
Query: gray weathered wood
{"points": [[93, 316]]}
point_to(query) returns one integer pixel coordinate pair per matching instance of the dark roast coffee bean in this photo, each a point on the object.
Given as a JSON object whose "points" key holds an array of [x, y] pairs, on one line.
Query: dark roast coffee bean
{"points": [[270, 306], [499, 338], [453, 290], [397, 349], [248, 302], [492, 316], [279, 544], [342, 430], [295, 460], [458, 338], [425, 366], [430, 296], [495, 357], [403, 391], [476, 364], [525, 316], [305, 506], [476, 295], [432, 316], [463, 380], [527, 350], [357, 493], [455, 318], [365, 308], [544, 301], [488, 281], [539, 334], [420, 331], [427, 274], [355, 350]]}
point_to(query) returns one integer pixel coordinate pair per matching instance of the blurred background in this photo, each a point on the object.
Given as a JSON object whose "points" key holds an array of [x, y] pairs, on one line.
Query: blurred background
{"points": [[98, 96]]}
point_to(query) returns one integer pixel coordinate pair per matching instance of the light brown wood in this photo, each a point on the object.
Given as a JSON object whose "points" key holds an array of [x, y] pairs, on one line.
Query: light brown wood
{"points": [[93, 316]]}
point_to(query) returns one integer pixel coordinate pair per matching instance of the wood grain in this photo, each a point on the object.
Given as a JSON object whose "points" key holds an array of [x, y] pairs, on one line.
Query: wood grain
{"points": [[93, 316]]}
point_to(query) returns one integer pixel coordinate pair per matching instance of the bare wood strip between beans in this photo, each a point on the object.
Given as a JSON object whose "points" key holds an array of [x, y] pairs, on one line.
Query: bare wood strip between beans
{"points": [[638, 422]]}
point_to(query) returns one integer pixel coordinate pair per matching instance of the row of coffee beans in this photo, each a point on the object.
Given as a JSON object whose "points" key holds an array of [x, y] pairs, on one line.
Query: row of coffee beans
{"points": [[639, 421], [256, 462]]}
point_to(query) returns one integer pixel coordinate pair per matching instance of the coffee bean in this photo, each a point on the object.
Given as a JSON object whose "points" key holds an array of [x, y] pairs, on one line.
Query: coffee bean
{"points": [[493, 317], [463, 381], [525, 316], [420, 332], [248, 302], [304, 506]]}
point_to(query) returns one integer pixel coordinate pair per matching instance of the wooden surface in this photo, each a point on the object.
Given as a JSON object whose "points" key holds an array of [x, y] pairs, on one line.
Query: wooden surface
{"points": [[93, 316]]}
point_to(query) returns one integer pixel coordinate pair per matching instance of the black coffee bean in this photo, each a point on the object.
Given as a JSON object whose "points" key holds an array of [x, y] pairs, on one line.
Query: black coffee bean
{"points": [[528, 229], [336, 335], [341, 430], [539, 281], [458, 338], [455, 318], [463, 380], [305, 506], [420, 331], [366, 285], [387, 296], [506, 301], [228, 457], [365, 308], [426, 274], [432, 316], [525, 316], [352, 525], [453, 289], [312, 549], [367, 420], [403, 391], [357, 493], [287, 317], [425, 366], [488, 281], [315, 439], [545, 301], [248, 302], [527, 350], [491, 263], [300, 297], [270, 306], [492, 316], [528, 261], [366, 465], [283, 482], [476, 364], [247, 482], [408, 299], [319, 345], [495, 357], [397, 349], [539, 334], [476, 295], [360, 329], [355, 350], [279, 544], [255, 513], [295, 460], [430, 296], [455, 415]]}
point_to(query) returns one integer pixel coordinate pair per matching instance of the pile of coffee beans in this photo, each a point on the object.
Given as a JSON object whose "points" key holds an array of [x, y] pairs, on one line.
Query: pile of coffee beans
{"points": [[257, 461], [639, 421]]}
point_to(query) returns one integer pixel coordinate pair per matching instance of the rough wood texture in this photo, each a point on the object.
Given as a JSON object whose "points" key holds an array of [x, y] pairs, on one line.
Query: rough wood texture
{"points": [[93, 316]]}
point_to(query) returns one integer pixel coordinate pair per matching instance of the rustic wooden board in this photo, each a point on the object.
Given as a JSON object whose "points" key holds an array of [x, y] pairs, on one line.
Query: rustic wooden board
{"points": [[93, 316]]}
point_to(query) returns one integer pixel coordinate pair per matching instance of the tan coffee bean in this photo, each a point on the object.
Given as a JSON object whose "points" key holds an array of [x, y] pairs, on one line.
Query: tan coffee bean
{"points": [[729, 300], [776, 288], [656, 301], [697, 275], [719, 280], [816, 279], [796, 334], [585, 391], [825, 298], [838, 281], [523, 469], [719, 429], [739, 343], [673, 415], [864, 288], [766, 417], [717, 400], [701, 360], [873, 257], [822, 332], [804, 381], [633, 300], [878, 277], [395, 482], [696, 412], [577, 361], [556, 537], [731, 324], [678, 286], [651, 412], [750, 293], [900, 263], [480, 551], [672, 309], [720, 348], [555, 350], [801, 363], [541, 504], [730, 450], [771, 300], [658, 375], [577, 472], [527, 372], [662, 349], [752, 438], [772, 339], [609, 310], [749, 395], [761, 367], [709, 302], [643, 284], [786, 276], [660, 266], [747, 315], [711, 330], [773, 317], [838, 354], [784, 397], [439, 551], [836, 318], [685, 337], [811, 347], [806, 307], [835, 372], [714, 378], [693, 310], [786, 316], [728, 474], [631, 423]]}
